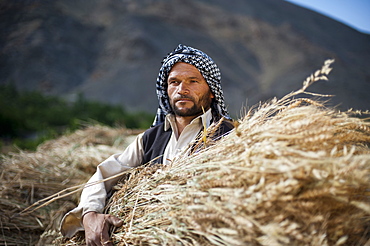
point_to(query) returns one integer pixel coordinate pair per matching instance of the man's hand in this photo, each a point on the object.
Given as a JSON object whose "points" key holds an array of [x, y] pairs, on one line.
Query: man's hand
{"points": [[97, 228]]}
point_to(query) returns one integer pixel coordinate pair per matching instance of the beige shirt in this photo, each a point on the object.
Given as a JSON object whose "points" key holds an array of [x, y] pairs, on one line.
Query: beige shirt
{"points": [[93, 197]]}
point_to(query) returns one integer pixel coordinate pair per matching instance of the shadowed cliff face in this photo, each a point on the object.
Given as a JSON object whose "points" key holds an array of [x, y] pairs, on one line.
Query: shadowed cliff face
{"points": [[112, 50]]}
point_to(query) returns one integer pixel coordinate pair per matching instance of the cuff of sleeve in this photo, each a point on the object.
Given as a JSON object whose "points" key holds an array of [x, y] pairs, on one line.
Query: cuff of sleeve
{"points": [[72, 223]]}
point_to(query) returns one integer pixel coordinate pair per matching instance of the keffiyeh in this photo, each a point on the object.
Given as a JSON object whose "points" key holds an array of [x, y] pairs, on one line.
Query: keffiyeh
{"points": [[207, 68]]}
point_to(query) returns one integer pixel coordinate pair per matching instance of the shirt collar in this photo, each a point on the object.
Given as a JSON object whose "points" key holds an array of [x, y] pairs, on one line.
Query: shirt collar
{"points": [[206, 117]]}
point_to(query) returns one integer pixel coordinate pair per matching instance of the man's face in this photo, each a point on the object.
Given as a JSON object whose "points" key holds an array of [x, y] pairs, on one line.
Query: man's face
{"points": [[188, 90]]}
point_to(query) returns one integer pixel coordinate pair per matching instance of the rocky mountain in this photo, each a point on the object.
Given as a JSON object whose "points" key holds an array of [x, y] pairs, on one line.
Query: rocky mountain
{"points": [[111, 50]]}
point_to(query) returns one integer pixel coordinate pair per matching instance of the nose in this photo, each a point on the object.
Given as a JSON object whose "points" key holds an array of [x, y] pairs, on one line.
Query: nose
{"points": [[183, 89]]}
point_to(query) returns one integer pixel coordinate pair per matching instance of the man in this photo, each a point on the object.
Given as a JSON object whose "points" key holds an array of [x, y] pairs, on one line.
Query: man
{"points": [[190, 96]]}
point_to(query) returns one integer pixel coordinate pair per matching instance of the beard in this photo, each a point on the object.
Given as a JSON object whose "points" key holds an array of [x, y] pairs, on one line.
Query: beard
{"points": [[196, 109]]}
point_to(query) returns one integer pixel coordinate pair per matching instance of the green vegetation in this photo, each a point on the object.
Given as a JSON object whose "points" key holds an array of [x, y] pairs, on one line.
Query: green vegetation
{"points": [[29, 118]]}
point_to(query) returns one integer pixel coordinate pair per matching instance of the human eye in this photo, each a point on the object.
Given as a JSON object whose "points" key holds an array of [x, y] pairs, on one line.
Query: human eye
{"points": [[173, 82]]}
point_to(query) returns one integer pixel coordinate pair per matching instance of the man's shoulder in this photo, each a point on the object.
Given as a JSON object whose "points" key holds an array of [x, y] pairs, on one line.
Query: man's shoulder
{"points": [[154, 129], [155, 140], [220, 128], [155, 133], [225, 124]]}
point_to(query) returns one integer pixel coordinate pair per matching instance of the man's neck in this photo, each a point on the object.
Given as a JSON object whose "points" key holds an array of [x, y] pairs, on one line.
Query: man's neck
{"points": [[182, 122]]}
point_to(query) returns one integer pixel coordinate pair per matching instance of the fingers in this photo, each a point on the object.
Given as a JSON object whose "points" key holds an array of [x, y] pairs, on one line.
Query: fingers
{"points": [[104, 236], [97, 228], [113, 220], [106, 243], [108, 221], [100, 243]]}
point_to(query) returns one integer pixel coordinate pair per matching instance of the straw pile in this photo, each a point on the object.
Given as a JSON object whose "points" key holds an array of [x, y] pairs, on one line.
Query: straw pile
{"points": [[27, 177], [292, 173]]}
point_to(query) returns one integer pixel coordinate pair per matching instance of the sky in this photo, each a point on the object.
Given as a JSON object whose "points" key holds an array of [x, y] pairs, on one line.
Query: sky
{"points": [[354, 13]]}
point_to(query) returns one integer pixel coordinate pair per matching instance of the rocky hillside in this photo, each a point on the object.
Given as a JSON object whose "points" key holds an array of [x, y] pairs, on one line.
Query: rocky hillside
{"points": [[111, 50]]}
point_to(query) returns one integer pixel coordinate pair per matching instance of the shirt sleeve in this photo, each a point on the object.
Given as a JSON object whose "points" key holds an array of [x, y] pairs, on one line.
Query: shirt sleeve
{"points": [[93, 196]]}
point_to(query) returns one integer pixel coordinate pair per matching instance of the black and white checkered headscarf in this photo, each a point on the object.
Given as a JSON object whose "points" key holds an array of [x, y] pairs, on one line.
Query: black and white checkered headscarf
{"points": [[207, 68]]}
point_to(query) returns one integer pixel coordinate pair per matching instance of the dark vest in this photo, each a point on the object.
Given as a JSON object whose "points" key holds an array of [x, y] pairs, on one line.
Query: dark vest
{"points": [[156, 139]]}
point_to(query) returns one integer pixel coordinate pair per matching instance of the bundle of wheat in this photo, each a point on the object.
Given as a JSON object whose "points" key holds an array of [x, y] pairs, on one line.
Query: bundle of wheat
{"points": [[291, 173], [27, 177], [300, 177]]}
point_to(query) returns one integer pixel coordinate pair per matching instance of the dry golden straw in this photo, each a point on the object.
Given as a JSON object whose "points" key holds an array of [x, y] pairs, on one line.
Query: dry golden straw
{"points": [[31, 178]]}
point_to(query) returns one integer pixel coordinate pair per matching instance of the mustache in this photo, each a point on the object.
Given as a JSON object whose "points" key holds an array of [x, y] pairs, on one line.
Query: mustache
{"points": [[177, 98]]}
